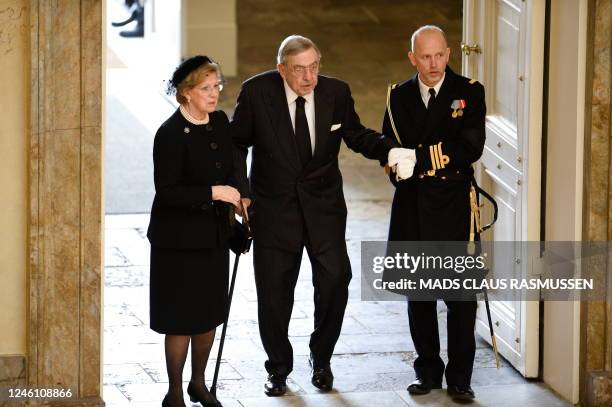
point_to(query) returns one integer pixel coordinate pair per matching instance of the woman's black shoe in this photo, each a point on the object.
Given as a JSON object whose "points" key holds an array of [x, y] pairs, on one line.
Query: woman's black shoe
{"points": [[194, 399]]}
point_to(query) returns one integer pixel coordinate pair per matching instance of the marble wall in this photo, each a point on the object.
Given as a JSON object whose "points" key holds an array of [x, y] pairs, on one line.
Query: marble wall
{"points": [[14, 53], [12, 374], [596, 320]]}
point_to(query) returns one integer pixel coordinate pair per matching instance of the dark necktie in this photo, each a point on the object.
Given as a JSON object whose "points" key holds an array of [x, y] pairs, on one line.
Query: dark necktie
{"points": [[432, 98], [302, 135]]}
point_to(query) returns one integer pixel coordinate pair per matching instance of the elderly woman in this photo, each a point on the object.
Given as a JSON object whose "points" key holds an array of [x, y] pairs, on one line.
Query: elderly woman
{"points": [[189, 227]]}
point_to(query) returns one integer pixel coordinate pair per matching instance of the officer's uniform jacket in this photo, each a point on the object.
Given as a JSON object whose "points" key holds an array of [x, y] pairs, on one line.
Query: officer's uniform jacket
{"points": [[434, 203]]}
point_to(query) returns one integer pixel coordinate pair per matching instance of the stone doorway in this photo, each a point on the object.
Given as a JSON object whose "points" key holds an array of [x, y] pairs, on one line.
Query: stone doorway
{"points": [[64, 188]]}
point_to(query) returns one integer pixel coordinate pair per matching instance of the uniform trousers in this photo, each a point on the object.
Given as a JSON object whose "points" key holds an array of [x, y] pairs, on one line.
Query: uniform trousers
{"points": [[433, 210], [461, 320]]}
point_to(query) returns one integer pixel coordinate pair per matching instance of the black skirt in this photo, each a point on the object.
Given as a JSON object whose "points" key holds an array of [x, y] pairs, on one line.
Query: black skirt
{"points": [[188, 290]]}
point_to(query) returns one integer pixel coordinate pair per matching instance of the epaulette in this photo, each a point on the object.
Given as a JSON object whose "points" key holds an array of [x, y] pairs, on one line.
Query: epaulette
{"points": [[389, 89], [473, 81]]}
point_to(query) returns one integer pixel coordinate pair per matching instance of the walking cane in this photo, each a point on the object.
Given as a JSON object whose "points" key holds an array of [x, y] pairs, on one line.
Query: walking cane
{"points": [[247, 237], [480, 191]]}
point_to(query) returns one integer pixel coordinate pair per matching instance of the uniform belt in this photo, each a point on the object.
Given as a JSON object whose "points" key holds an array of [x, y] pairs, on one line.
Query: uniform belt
{"points": [[455, 174]]}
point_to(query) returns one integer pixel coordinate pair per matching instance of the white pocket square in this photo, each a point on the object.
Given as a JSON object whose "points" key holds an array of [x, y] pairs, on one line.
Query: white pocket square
{"points": [[335, 126]]}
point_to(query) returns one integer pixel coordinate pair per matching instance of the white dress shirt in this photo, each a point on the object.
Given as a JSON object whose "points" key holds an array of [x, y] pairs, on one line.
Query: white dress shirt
{"points": [[425, 89], [308, 108]]}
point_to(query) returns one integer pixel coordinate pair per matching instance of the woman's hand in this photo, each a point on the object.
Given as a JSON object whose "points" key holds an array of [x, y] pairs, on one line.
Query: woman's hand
{"points": [[227, 194], [246, 202]]}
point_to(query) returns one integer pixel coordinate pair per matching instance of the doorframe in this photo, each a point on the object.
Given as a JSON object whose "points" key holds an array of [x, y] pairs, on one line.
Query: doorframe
{"points": [[530, 152], [536, 170]]}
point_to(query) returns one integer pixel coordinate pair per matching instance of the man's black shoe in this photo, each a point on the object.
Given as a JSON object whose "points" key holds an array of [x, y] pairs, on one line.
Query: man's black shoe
{"points": [[461, 393], [420, 386], [275, 385]]}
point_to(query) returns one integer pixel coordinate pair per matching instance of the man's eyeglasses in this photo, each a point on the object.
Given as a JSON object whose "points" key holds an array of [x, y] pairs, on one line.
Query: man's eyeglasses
{"points": [[300, 70]]}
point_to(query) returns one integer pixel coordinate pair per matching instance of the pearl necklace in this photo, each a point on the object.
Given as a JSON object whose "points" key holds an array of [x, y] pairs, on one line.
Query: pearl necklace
{"points": [[192, 119]]}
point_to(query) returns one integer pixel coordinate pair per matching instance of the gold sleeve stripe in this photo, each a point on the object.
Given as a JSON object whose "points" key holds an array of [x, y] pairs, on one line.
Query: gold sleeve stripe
{"points": [[436, 158], [437, 154], [390, 114], [432, 157]]}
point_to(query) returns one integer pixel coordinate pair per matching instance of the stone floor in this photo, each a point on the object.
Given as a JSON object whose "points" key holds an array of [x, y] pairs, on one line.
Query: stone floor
{"points": [[365, 43]]}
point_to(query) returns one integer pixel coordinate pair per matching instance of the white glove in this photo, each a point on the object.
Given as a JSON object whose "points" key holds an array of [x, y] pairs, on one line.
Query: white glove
{"points": [[402, 162]]}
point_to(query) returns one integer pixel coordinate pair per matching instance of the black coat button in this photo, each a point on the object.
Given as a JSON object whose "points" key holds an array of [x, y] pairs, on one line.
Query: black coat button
{"points": [[218, 164], [214, 146]]}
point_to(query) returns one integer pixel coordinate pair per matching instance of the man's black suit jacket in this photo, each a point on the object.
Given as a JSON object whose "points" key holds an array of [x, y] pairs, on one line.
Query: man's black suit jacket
{"points": [[286, 196]]}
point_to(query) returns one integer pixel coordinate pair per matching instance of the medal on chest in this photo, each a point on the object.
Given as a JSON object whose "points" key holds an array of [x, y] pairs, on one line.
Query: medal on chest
{"points": [[458, 105]]}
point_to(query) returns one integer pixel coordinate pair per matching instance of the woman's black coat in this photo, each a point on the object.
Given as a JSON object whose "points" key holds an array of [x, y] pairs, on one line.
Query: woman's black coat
{"points": [[188, 160]]}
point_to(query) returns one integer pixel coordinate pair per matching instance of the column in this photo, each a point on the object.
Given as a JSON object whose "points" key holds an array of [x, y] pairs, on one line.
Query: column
{"points": [[65, 199], [596, 316]]}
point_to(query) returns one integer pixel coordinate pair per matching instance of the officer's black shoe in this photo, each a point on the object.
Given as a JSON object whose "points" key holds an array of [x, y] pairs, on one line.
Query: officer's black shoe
{"points": [[464, 393], [420, 386], [323, 378], [275, 385]]}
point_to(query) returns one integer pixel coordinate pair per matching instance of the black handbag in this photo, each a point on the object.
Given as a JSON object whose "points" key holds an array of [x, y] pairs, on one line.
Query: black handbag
{"points": [[241, 234]]}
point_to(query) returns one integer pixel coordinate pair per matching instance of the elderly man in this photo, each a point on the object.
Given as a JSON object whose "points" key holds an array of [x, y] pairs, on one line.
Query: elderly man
{"points": [[295, 119], [439, 117]]}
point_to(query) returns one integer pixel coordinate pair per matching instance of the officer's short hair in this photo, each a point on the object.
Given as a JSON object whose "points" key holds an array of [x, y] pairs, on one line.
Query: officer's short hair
{"points": [[293, 45], [425, 28]]}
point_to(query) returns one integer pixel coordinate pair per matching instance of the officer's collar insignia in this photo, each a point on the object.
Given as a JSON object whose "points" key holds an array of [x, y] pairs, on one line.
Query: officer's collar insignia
{"points": [[458, 105], [186, 130]]}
